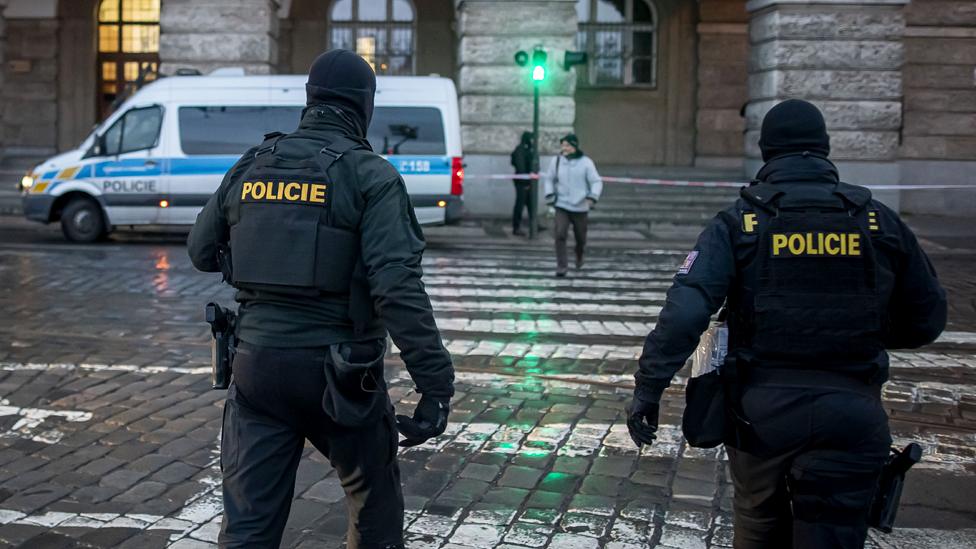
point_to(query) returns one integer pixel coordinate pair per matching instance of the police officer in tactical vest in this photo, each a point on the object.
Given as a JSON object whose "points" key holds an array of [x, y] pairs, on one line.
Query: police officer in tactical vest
{"points": [[317, 234], [818, 280]]}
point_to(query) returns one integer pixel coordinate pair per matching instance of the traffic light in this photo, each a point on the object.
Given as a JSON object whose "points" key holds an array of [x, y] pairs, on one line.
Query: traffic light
{"points": [[574, 58], [539, 65]]}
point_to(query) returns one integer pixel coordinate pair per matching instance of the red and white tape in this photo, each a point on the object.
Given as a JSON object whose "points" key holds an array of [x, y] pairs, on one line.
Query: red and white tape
{"points": [[709, 184]]}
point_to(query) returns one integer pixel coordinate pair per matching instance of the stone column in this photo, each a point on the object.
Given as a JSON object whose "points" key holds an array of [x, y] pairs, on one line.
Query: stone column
{"points": [[845, 56], [209, 34], [496, 94], [28, 96]]}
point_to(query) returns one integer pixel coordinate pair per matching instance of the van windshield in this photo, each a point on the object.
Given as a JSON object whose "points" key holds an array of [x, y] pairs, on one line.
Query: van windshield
{"points": [[215, 130]]}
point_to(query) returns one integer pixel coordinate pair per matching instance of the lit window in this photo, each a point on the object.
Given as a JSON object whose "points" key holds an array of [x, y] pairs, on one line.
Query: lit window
{"points": [[620, 38], [382, 31], [128, 48]]}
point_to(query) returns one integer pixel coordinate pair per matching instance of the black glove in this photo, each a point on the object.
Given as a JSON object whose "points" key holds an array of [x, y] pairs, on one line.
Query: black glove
{"points": [[550, 199], [642, 420], [429, 420]]}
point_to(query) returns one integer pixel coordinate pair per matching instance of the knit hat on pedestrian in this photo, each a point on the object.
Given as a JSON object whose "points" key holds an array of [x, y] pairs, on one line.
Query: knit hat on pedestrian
{"points": [[343, 79], [571, 139], [793, 126]]}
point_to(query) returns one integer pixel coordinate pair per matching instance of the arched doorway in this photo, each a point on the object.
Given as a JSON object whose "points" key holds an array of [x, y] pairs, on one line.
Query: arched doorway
{"points": [[128, 49]]}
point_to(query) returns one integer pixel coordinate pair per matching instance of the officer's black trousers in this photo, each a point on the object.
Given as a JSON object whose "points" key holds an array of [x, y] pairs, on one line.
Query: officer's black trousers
{"points": [[805, 473], [273, 405], [523, 193]]}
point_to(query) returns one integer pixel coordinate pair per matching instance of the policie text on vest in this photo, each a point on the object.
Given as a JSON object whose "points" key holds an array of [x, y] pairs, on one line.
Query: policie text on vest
{"points": [[816, 244], [294, 191]]}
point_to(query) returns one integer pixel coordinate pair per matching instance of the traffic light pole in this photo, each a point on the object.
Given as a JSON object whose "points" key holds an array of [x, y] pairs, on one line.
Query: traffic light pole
{"points": [[534, 184]]}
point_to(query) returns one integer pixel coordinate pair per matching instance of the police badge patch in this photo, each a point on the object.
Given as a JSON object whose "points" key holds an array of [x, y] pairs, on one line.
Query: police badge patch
{"points": [[689, 261]]}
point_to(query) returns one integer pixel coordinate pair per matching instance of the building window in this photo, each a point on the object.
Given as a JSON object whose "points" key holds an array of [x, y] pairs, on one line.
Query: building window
{"points": [[128, 49], [620, 37], [382, 31]]}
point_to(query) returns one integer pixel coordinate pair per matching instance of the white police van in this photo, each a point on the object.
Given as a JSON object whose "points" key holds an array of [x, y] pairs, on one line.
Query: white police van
{"points": [[160, 156]]}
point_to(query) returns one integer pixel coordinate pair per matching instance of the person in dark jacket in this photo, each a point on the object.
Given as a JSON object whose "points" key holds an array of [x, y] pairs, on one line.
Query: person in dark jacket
{"points": [[522, 162], [318, 235], [818, 280]]}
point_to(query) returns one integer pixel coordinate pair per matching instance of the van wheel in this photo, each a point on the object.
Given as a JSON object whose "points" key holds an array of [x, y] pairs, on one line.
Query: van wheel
{"points": [[82, 221]]}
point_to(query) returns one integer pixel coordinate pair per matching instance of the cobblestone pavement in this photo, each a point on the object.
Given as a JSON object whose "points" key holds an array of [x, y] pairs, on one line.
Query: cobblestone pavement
{"points": [[108, 429]]}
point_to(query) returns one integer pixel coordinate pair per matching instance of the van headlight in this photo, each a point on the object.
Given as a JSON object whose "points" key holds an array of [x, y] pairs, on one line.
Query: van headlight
{"points": [[26, 182]]}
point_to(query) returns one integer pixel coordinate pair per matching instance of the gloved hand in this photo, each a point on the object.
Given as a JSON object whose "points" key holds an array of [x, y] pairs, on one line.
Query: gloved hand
{"points": [[429, 420], [550, 199], [642, 420]]}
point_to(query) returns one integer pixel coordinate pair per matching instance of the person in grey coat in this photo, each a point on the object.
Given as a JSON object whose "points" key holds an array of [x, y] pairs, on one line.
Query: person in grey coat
{"points": [[572, 186]]}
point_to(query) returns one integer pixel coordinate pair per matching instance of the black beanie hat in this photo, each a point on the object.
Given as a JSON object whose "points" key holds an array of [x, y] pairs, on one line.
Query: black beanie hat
{"points": [[343, 79], [793, 126], [571, 139]]}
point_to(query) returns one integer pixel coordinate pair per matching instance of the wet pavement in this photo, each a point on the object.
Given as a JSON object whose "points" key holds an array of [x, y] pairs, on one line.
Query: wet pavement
{"points": [[109, 431]]}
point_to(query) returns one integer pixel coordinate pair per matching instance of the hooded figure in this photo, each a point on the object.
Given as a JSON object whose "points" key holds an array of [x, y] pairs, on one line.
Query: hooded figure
{"points": [[522, 163], [319, 237], [340, 78]]}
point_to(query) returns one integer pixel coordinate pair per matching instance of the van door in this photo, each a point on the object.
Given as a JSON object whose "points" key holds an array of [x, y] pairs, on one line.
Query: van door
{"points": [[412, 139], [212, 138], [128, 168]]}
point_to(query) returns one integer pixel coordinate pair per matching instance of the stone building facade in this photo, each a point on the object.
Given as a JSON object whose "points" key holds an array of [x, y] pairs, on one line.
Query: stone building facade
{"points": [[675, 84]]}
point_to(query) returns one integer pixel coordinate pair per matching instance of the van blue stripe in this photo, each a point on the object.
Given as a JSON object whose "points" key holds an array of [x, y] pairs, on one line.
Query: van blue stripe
{"points": [[130, 167], [201, 165]]}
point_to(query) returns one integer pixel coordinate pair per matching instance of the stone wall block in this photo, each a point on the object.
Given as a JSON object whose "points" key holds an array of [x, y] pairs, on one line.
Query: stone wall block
{"points": [[798, 22], [501, 139], [713, 143], [940, 100], [723, 11], [218, 47], [42, 136], [939, 147], [723, 96], [723, 48], [940, 123], [32, 39], [719, 120], [495, 109], [513, 80], [846, 145], [941, 13], [834, 54], [534, 19], [190, 17], [500, 50], [938, 76], [825, 84], [30, 112], [941, 51], [840, 115], [28, 91], [722, 74], [42, 71]]}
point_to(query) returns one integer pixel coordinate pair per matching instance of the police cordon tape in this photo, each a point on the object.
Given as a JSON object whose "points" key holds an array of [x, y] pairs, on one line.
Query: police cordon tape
{"points": [[708, 184]]}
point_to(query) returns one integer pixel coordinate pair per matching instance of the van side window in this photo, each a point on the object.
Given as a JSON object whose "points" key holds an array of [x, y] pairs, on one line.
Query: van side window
{"points": [[407, 130], [232, 130], [137, 130]]}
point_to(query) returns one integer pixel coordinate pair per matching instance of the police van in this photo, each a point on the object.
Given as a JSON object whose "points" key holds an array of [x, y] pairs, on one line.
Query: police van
{"points": [[163, 153]]}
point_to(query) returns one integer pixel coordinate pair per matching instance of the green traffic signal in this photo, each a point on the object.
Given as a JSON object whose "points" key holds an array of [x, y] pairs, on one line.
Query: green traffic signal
{"points": [[539, 65]]}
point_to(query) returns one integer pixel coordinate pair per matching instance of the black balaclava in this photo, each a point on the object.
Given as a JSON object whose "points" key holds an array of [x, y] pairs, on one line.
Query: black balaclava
{"points": [[574, 141], [793, 126], [341, 78], [526, 139]]}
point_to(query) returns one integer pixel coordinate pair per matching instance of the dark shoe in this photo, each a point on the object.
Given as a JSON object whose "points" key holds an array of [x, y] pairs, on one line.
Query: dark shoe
{"points": [[518, 232], [579, 263], [560, 274]]}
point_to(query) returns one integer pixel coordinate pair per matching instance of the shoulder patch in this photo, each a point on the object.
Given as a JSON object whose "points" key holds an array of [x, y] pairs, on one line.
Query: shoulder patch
{"points": [[749, 222], [689, 261]]}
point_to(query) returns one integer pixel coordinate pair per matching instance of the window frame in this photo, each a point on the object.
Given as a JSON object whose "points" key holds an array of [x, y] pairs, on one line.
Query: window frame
{"points": [[148, 62], [586, 79], [387, 26], [98, 147]]}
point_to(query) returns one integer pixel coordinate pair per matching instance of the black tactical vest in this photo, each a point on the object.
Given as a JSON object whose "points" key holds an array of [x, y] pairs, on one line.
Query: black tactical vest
{"points": [[812, 297], [282, 235]]}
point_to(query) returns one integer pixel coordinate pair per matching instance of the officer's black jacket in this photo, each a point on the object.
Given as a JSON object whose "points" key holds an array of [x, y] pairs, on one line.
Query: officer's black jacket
{"points": [[392, 245], [914, 302]]}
